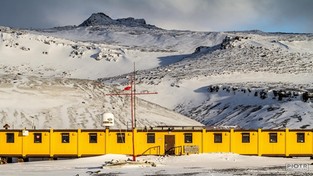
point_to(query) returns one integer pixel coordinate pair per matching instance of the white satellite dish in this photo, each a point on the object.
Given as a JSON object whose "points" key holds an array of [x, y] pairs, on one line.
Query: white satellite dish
{"points": [[108, 119], [25, 132]]}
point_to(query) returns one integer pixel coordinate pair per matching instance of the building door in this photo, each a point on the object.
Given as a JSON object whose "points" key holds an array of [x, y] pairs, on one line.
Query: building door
{"points": [[169, 144]]}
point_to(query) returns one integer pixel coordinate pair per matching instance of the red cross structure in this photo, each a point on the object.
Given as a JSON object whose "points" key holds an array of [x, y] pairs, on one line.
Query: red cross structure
{"points": [[132, 88]]}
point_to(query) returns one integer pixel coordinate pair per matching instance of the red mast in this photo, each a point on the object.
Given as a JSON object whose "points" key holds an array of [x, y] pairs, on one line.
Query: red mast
{"points": [[132, 95]]}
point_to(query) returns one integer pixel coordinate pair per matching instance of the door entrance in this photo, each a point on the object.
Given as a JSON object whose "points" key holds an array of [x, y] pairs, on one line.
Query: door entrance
{"points": [[169, 145]]}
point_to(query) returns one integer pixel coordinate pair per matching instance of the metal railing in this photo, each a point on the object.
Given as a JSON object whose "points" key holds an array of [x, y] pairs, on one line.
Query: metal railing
{"points": [[177, 150], [158, 148]]}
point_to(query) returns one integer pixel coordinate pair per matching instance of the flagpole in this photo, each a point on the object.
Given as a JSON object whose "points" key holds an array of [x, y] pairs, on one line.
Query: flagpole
{"points": [[134, 80], [132, 94], [132, 98]]}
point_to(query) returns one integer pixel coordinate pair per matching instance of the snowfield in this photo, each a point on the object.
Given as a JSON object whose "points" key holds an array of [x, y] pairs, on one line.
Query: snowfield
{"points": [[44, 103], [214, 164]]}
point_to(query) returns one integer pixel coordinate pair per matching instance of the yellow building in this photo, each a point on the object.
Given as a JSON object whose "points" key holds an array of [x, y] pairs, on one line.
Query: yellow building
{"points": [[56, 143], [217, 141]]}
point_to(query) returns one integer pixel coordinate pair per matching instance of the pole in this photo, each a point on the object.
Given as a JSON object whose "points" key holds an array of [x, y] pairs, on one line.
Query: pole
{"points": [[132, 97], [132, 102], [134, 81], [133, 90]]}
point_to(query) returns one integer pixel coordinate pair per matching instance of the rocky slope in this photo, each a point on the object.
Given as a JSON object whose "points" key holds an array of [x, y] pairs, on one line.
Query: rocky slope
{"points": [[249, 80]]}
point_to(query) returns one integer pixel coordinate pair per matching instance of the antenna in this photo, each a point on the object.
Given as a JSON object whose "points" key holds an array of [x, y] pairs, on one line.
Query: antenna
{"points": [[132, 94]]}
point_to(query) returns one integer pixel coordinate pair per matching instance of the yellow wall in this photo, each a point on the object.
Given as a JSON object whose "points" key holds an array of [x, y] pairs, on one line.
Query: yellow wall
{"points": [[119, 148], [144, 148], [86, 148], [31, 148], [11, 148], [268, 148], [237, 146], [210, 146], [59, 148], [295, 148], [197, 140], [203, 140]]}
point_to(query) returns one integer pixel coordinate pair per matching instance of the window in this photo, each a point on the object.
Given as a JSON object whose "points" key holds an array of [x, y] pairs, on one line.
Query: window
{"points": [[10, 137], [120, 137], [188, 137], [273, 137], [218, 138], [93, 138], [37, 138], [245, 137], [150, 137], [65, 137], [300, 138]]}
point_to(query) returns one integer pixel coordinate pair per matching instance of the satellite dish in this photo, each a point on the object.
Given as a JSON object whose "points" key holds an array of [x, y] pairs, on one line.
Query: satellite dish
{"points": [[108, 119], [25, 132]]}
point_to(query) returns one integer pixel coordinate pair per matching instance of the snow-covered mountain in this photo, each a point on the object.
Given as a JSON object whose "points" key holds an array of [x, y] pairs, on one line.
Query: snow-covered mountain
{"points": [[250, 79]]}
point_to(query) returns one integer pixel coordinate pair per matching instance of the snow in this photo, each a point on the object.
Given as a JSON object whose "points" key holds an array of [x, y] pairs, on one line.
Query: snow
{"points": [[215, 164], [168, 64], [70, 103], [59, 78]]}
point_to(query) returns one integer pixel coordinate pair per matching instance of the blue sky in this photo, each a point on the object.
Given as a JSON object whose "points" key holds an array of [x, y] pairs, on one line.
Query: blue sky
{"points": [[200, 15]]}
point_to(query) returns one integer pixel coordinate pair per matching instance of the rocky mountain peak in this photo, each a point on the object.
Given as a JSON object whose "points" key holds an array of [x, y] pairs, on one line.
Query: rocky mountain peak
{"points": [[101, 19], [97, 19], [131, 21]]}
